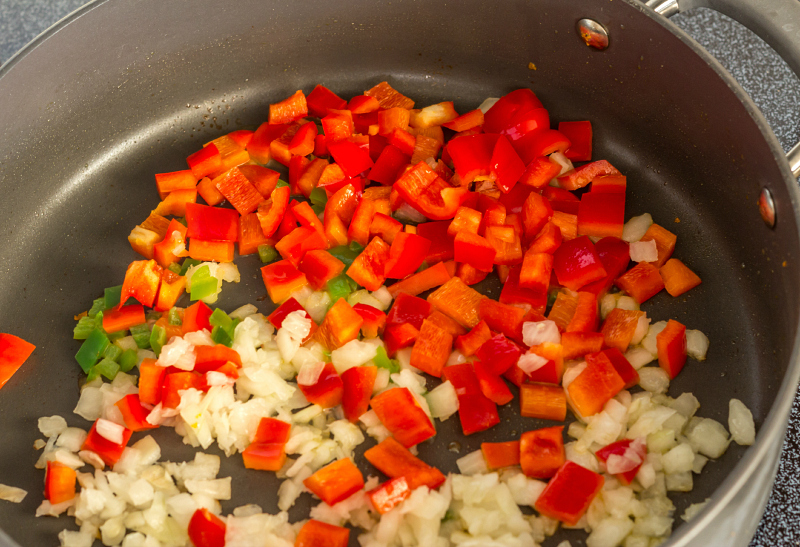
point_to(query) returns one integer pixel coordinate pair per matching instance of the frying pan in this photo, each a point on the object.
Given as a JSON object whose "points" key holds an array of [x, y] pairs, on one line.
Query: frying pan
{"points": [[123, 90]]}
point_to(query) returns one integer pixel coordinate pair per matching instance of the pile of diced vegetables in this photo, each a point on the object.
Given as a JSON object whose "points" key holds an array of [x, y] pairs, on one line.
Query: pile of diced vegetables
{"points": [[371, 249]]}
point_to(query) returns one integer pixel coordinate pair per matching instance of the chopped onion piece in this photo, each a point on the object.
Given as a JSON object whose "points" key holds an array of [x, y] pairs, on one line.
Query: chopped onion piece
{"points": [[52, 426], [608, 303], [654, 379], [644, 251], [708, 437], [627, 303], [531, 362], [740, 422], [243, 311], [563, 161], [384, 297], [442, 401], [487, 104], [639, 357], [696, 344], [539, 332], [178, 353], [693, 510], [309, 373], [635, 228], [472, 464], [12, 493], [649, 341], [109, 430], [641, 329]]}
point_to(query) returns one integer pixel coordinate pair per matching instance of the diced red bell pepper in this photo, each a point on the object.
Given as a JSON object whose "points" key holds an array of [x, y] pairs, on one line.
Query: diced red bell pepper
{"points": [[272, 430], [123, 318], [177, 180], [280, 313], [232, 154], [362, 104], [619, 327], [615, 256], [583, 175], [601, 214], [442, 243], [288, 110], [578, 344], [492, 386], [408, 309], [320, 267], [422, 188], [671, 344], [175, 202], [389, 97], [509, 107], [327, 391], [426, 148], [368, 268], [541, 143], [446, 323], [282, 279], [271, 212], [512, 293], [352, 158], [542, 452], [535, 119], [133, 413], [585, 316], [502, 318], [336, 481], [563, 309], [315, 533], [297, 164], [580, 135], [302, 142], [206, 529], [395, 461], [388, 495], [576, 263], [629, 449], [472, 156], [542, 401], [553, 369], [665, 242], [403, 417], [341, 324], [540, 171], [536, 212], [175, 382], [595, 386], [397, 337], [142, 279], [211, 223], [362, 219], [536, 271], [610, 184], [209, 192], [431, 349], [474, 250], [251, 236], [562, 200], [403, 141], [264, 456], [427, 279], [470, 120], [387, 229], [388, 165], [241, 137], [567, 223], [466, 220], [59, 482], [14, 351], [195, 317], [209, 358], [321, 99], [642, 282], [623, 367], [374, 320], [310, 176], [357, 390], [294, 246], [259, 146], [569, 493], [108, 451], [469, 343], [151, 379], [238, 190], [458, 301], [217, 251], [469, 274], [499, 455], [678, 278], [475, 411], [205, 161], [391, 119]]}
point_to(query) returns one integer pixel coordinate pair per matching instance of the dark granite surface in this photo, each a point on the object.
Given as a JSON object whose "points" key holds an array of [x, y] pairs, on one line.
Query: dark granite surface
{"points": [[771, 84]]}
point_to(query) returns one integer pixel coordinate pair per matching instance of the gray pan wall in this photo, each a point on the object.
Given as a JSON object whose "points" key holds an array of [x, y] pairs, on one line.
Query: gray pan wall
{"points": [[120, 160]]}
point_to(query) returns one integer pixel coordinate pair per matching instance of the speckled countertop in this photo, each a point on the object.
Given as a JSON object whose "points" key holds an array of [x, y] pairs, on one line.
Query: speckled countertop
{"points": [[771, 84]]}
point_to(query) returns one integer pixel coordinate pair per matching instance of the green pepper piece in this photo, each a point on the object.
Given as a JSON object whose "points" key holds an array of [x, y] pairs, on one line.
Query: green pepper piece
{"points": [[98, 305], [267, 253], [83, 328], [281, 183], [318, 197], [356, 247], [203, 284], [107, 368], [175, 268], [188, 263], [112, 352], [345, 254], [141, 335], [128, 360], [91, 349], [174, 317], [221, 336], [382, 360], [158, 337], [339, 287], [111, 297]]}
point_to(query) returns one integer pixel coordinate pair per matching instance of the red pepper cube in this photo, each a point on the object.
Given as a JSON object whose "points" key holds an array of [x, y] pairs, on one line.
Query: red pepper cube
{"points": [[151, 377], [619, 327], [441, 248], [336, 481], [308, 218], [535, 272], [177, 180], [206, 529], [458, 301], [368, 267], [615, 256], [578, 344], [175, 382], [563, 309], [584, 319], [583, 175], [298, 242], [505, 165], [327, 391], [133, 413], [576, 263], [272, 430], [403, 417], [302, 143], [59, 482], [507, 108], [259, 146], [642, 282], [623, 367], [357, 390], [406, 255], [397, 337], [472, 155], [123, 318], [217, 251], [395, 461], [561, 200], [469, 343], [389, 97], [580, 135], [543, 401], [315, 533], [671, 344], [424, 190], [506, 242], [550, 372], [264, 456], [389, 165], [195, 317], [341, 324], [567, 224], [629, 449], [601, 214], [677, 277], [465, 220], [390, 494], [665, 242], [208, 358], [238, 190], [205, 161], [280, 313], [321, 99], [542, 452], [475, 411], [540, 143], [610, 184], [470, 120], [408, 309], [374, 320], [513, 294], [391, 119], [282, 279], [108, 451], [352, 158], [142, 279], [491, 385], [431, 349], [271, 211], [536, 212], [526, 123], [290, 109], [499, 353], [499, 455], [569, 493], [387, 229], [362, 104], [474, 250], [540, 171], [211, 223], [595, 386], [320, 267]]}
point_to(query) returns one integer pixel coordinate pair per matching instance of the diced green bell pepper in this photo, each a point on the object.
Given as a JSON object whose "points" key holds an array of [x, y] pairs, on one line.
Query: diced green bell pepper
{"points": [[267, 253], [111, 297], [141, 335], [91, 349]]}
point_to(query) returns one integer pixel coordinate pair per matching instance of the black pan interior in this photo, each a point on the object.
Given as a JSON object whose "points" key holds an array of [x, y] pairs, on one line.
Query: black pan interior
{"points": [[92, 120]]}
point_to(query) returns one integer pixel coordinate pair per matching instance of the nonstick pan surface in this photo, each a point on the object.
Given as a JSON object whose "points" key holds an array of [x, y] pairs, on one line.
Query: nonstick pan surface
{"points": [[91, 121]]}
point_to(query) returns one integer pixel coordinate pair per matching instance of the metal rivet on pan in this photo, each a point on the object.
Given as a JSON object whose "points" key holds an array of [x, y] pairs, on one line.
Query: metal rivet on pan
{"points": [[593, 33], [667, 8], [766, 206]]}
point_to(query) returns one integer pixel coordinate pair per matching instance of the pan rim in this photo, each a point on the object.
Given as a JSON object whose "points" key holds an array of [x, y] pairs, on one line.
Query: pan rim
{"points": [[775, 423]]}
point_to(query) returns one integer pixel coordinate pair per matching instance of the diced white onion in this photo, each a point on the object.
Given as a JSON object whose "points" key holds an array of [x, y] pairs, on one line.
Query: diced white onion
{"points": [[243, 311], [384, 297], [442, 401], [696, 344], [644, 251], [472, 463], [52, 426], [487, 104], [639, 357], [352, 354], [741, 424], [641, 329], [539, 332], [708, 437], [531, 362], [109, 430], [177, 353], [309, 373], [563, 161], [12, 493], [649, 341], [635, 228]]}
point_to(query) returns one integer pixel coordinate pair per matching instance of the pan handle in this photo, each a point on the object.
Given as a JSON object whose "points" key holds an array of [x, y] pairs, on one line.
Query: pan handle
{"points": [[777, 22]]}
